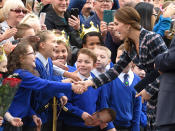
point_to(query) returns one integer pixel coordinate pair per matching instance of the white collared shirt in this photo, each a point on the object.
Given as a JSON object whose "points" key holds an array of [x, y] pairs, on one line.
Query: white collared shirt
{"points": [[43, 60], [130, 77], [57, 71], [83, 77]]}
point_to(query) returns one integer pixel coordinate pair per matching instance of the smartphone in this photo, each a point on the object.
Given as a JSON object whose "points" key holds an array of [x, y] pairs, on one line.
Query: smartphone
{"points": [[108, 16], [42, 18], [74, 12]]}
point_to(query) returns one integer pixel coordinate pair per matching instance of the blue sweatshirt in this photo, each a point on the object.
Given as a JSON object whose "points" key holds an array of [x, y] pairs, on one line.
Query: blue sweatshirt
{"points": [[122, 99], [162, 25], [20, 106], [77, 104], [42, 97]]}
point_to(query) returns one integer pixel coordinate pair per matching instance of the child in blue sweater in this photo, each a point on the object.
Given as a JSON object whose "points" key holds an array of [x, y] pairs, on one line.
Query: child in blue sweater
{"points": [[120, 96], [84, 105], [22, 62]]}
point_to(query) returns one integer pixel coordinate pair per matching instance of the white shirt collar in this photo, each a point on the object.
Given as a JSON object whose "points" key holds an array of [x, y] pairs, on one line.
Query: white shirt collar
{"points": [[96, 72], [83, 77], [42, 58], [130, 77]]}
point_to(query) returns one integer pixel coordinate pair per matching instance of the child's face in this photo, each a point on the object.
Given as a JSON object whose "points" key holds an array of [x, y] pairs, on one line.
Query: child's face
{"points": [[91, 42], [49, 45], [3, 66], [84, 64], [141, 73], [102, 59], [60, 54], [29, 58]]}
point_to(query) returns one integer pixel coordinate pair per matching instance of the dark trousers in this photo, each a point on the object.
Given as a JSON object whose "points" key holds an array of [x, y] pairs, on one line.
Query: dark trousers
{"points": [[47, 127], [73, 128], [8, 127], [167, 128], [26, 128], [120, 128]]}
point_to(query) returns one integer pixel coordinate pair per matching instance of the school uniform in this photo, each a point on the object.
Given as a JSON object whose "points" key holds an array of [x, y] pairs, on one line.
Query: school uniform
{"points": [[121, 98], [77, 104], [21, 104], [150, 45], [41, 98]]}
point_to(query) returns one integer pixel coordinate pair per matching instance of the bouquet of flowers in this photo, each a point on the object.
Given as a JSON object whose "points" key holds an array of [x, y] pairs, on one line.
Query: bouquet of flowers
{"points": [[8, 90]]}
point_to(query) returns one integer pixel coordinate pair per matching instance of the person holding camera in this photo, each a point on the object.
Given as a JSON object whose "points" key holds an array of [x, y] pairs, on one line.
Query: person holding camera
{"points": [[58, 17]]}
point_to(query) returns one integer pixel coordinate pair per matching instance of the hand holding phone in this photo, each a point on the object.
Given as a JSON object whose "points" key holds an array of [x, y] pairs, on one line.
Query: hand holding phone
{"points": [[74, 12]]}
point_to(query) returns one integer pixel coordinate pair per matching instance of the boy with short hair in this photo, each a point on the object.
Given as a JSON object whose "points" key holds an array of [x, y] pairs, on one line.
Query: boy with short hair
{"points": [[120, 96], [84, 105], [103, 60]]}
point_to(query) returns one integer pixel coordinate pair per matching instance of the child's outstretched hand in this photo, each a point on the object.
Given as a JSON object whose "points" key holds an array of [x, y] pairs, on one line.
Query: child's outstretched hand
{"points": [[16, 122], [72, 75], [37, 120]]}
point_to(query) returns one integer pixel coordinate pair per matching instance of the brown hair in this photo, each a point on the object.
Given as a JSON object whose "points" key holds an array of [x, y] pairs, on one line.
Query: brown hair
{"points": [[15, 56], [89, 53], [110, 111], [108, 52], [164, 5], [20, 51], [43, 36], [128, 15], [21, 29]]}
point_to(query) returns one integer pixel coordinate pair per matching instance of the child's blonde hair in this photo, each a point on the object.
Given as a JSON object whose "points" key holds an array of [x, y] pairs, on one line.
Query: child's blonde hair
{"points": [[108, 52], [32, 20]]}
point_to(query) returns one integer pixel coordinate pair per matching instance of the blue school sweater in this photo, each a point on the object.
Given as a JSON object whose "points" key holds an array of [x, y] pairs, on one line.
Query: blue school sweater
{"points": [[21, 104], [122, 99], [41, 98], [77, 104]]}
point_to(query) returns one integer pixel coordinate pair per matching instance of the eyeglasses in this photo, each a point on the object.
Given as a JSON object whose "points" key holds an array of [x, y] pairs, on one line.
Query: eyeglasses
{"points": [[18, 11], [31, 53], [155, 15], [107, 1]]}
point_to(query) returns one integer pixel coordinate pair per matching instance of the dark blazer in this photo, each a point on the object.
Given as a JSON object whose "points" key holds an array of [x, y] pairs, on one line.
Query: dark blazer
{"points": [[166, 107]]}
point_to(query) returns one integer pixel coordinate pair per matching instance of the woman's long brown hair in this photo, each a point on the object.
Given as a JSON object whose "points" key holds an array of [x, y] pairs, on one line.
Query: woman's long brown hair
{"points": [[128, 15]]}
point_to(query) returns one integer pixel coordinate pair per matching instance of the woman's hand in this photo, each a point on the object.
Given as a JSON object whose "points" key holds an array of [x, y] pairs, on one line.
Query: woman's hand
{"points": [[145, 96], [74, 22], [103, 28], [9, 33]]}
